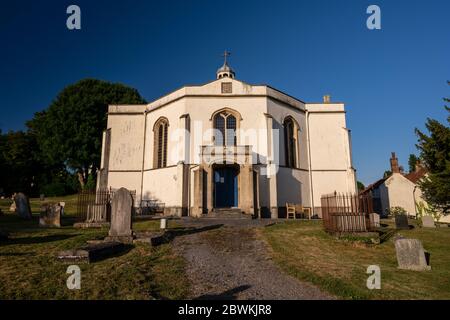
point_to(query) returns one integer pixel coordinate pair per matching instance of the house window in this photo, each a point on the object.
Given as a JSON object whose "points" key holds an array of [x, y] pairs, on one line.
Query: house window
{"points": [[290, 143], [225, 129], [160, 143]]}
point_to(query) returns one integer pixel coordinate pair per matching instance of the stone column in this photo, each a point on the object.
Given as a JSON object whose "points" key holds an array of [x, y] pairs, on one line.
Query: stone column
{"points": [[271, 168], [185, 142], [273, 195], [182, 189], [208, 179], [246, 189], [197, 208]]}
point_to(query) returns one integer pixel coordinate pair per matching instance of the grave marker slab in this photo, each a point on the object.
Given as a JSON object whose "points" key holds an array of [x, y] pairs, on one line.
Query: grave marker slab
{"points": [[23, 209], [374, 219], [121, 223], [428, 222], [401, 222], [411, 255], [91, 252], [50, 215]]}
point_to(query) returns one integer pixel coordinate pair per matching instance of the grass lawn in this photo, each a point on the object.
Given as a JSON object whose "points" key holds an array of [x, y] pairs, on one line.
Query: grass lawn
{"points": [[35, 203], [304, 250], [29, 269]]}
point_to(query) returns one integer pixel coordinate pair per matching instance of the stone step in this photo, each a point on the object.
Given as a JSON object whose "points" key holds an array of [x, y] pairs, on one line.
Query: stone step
{"points": [[233, 213]]}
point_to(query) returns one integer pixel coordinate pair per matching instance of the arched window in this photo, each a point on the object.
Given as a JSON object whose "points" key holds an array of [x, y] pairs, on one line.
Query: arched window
{"points": [[225, 129], [160, 143], [290, 143]]}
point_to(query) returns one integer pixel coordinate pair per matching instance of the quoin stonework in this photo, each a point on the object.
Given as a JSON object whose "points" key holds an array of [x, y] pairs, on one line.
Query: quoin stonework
{"points": [[228, 144]]}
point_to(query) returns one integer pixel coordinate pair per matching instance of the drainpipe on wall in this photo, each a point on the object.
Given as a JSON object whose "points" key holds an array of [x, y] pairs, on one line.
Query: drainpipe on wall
{"points": [[414, 198], [311, 193], [143, 155]]}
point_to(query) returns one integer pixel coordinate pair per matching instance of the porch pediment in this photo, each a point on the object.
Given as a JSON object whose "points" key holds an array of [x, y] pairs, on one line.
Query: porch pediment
{"points": [[241, 155]]}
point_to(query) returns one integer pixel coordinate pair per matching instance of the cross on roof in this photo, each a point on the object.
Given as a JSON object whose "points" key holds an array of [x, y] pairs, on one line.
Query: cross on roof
{"points": [[225, 55]]}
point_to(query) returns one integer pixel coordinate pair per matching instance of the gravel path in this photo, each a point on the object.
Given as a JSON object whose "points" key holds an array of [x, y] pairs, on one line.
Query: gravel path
{"points": [[228, 260]]}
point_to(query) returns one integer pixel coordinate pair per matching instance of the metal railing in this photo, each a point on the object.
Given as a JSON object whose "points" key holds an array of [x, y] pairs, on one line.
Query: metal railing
{"points": [[347, 213], [95, 205]]}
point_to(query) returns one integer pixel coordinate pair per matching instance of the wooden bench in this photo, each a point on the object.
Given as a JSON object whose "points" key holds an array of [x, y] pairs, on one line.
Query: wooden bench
{"points": [[293, 209], [152, 207]]}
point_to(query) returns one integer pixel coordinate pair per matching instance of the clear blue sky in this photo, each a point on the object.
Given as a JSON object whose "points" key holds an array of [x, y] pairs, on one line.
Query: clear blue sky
{"points": [[391, 79]]}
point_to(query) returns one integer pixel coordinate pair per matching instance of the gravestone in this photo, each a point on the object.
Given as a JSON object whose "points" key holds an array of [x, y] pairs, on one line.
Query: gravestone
{"points": [[42, 197], [91, 252], [23, 209], [12, 208], [428, 222], [50, 215], [121, 206], [374, 219], [63, 206], [411, 255], [401, 221]]}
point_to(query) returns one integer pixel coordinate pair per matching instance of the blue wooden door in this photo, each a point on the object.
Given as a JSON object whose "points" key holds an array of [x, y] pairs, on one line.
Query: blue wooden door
{"points": [[225, 187]]}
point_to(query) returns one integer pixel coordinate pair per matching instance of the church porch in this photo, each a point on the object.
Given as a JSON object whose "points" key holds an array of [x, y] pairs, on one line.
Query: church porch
{"points": [[225, 182]]}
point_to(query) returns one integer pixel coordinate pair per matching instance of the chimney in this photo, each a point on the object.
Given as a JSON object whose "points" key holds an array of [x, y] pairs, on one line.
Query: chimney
{"points": [[327, 98], [394, 164], [418, 165]]}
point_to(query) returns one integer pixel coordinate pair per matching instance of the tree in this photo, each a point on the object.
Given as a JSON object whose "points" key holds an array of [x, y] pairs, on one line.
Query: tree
{"points": [[18, 164], [69, 131], [361, 186], [435, 154], [412, 161]]}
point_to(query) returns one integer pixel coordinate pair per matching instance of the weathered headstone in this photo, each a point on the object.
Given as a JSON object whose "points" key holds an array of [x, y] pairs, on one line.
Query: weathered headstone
{"points": [[374, 219], [50, 215], [401, 221], [91, 252], [63, 206], [411, 255], [23, 209], [42, 197], [121, 223], [428, 222], [12, 208]]}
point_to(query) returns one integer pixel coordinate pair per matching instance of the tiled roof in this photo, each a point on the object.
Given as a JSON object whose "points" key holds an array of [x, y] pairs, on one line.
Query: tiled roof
{"points": [[415, 176], [374, 185]]}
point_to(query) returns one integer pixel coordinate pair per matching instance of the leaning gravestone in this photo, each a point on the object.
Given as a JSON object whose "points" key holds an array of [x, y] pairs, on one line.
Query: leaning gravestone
{"points": [[23, 209], [401, 221], [411, 255], [50, 215], [428, 222], [121, 206]]}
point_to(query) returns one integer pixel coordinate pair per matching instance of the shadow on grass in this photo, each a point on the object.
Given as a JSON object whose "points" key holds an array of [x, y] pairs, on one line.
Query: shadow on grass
{"points": [[171, 234], [226, 295], [37, 240], [123, 251]]}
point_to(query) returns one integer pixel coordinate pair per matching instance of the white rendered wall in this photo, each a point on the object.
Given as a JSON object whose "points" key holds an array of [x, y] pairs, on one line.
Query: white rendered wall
{"points": [[161, 185], [330, 151], [400, 191]]}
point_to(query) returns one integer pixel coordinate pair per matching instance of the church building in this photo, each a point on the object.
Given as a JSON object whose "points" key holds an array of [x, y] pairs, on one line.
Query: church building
{"points": [[228, 145]]}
